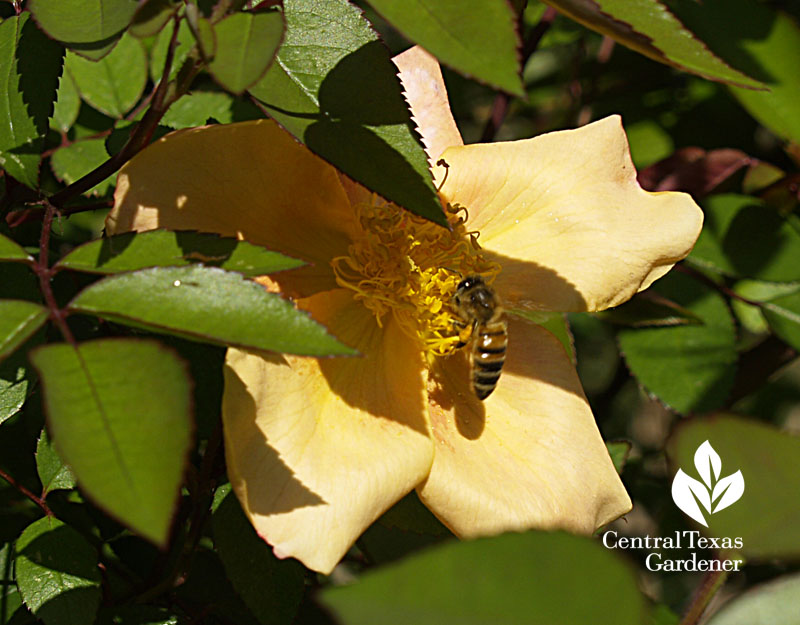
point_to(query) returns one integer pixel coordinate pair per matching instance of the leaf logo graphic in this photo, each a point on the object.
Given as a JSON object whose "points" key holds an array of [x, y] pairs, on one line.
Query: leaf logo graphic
{"points": [[713, 494]]}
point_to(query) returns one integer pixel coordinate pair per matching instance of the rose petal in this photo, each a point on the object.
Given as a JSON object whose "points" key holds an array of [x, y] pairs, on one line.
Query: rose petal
{"points": [[427, 97], [529, 456], [564, 216], [251, 180], [317, 449]]}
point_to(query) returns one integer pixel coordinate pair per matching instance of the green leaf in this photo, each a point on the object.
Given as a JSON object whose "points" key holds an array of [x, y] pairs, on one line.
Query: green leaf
{"points": [[271, 588], [777, 601], [662, 615], [759, 176], [246, 46], [762, 41], [598, 358], [619, 450], [83, 21], [195, 109], [9, 250], [119, 412], [207, 304], [115, 83], [72, 162], [203, 32], [648, 27], [152, 16], [19, 319], [95, 52], [158, 54], [491, 581], [767, 517], [57, 573], [10, 599], [749, 316], [68, 104], [30, 64], [53, 473], [450, 30], [783, 316], [690, 368], [165, 248], [746, 238], [14, 384], [334, 87]]}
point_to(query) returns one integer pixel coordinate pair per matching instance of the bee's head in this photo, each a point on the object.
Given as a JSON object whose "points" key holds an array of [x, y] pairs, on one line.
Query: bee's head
{"points": [[468, 295], [468, 283]]}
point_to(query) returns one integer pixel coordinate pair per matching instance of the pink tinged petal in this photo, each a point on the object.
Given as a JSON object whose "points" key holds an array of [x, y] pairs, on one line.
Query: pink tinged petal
{"points": [[565, 217], [529, 456], [317, 449], [250, 180], [427, 97]]}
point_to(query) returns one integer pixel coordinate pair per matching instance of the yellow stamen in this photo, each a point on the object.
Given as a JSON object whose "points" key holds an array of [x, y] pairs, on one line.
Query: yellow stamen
{"points": [[407, 266]]}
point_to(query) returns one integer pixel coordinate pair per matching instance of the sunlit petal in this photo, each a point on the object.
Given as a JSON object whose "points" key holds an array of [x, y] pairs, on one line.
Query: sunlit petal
{"points": [[529, 456], [317, 449], [427, 97], [250, 180], [565, 217]]}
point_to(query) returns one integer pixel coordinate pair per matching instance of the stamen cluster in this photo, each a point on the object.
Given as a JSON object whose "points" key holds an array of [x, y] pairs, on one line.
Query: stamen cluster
{"points": [[407, 266]]}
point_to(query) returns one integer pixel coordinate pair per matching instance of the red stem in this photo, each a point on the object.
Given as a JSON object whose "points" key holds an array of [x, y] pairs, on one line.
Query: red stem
{"points": [[45, 273], [39, 501], [712, 582]]}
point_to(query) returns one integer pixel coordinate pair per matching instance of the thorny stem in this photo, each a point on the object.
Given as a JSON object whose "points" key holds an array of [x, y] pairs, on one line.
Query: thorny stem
{"points": [[45, 274], [711, 583], [501, 100], [697, 275], [39, 501]]}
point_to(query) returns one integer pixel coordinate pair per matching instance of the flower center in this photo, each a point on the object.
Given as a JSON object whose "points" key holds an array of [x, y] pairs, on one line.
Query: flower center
{"points": [[407, 266]]}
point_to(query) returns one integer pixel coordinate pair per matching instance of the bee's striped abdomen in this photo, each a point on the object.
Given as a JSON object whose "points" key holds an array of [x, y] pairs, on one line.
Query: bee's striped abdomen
{"points": [[488, 356]]}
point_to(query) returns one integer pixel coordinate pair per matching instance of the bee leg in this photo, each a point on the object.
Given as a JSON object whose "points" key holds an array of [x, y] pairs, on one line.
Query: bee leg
{"points": [[464, 333]]}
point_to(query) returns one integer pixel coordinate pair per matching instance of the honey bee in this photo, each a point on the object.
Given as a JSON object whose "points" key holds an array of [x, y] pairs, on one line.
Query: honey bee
{"points": [[485, 329]]}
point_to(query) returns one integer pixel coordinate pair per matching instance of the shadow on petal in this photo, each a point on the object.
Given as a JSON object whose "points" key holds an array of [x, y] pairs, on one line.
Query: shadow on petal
{"points": [[386, 381], [530, 286], [451, 388], [284, 491]]}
